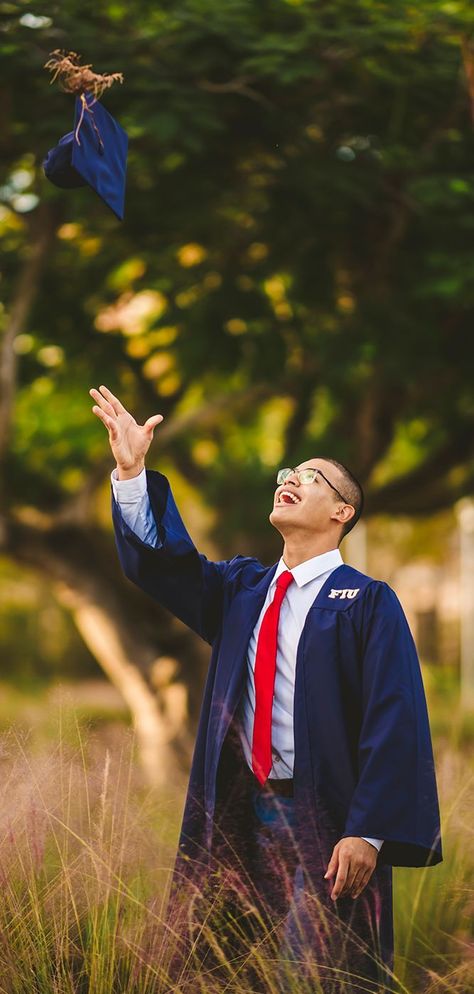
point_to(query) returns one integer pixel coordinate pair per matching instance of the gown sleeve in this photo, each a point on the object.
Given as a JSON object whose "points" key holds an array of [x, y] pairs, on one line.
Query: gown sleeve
{"points": [[172, 571], [395, 797]]}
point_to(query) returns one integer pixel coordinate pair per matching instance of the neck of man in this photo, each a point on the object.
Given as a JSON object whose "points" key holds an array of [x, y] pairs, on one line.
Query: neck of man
{"points": [[299, 548]]}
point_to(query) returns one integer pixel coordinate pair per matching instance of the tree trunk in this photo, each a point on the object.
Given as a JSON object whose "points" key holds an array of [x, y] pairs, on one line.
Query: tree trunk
{"points": [[155, 725], [43, 228], [152, 660]]}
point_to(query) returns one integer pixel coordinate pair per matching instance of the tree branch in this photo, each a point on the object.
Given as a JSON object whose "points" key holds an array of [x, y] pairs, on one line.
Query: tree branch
{"points": [[374, 425], [427, 485], [296, 427], [148, 655], [467, 49], [240, 86]]}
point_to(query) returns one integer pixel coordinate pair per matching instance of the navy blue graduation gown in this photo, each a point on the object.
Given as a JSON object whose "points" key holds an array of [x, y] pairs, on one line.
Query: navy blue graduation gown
{"points": [[363, 762]]}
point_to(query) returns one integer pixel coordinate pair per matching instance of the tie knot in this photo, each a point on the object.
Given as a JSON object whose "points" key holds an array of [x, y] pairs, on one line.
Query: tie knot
{"points": [[284, 580]]}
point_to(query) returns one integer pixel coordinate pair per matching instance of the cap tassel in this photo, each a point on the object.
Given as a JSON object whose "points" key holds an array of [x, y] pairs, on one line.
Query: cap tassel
{"points": [[79, 79], [86, 107]]}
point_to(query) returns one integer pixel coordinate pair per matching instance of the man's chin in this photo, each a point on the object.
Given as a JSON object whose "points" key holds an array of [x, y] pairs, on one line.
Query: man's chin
{"points": [[285, 520], [272, 516], [279, 520]]}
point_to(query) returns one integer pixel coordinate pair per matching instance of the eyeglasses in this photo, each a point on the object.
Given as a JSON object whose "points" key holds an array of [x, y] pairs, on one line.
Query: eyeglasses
{"points": [[307, 476]]}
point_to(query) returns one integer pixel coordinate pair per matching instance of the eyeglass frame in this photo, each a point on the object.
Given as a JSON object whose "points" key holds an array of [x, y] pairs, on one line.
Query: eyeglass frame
{"points": [[317, 472]]}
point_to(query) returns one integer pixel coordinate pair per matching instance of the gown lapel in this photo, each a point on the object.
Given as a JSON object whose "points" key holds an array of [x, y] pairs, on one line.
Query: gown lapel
{"points": [[229, 682]]}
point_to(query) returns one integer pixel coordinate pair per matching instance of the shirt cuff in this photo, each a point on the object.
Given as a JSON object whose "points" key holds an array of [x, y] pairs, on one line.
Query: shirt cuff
{"points": [[129, 491], [378, 843]]}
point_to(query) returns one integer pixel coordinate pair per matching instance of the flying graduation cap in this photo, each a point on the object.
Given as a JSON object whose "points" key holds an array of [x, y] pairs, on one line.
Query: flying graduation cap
{"points": [[95, 152]]}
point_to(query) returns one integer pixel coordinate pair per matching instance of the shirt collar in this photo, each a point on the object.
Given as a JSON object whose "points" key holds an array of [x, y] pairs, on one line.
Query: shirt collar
{"points": [[311, 568]]}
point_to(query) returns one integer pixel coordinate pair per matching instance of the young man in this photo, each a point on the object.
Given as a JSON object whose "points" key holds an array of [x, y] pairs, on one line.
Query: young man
{"points": [[313, 770]]}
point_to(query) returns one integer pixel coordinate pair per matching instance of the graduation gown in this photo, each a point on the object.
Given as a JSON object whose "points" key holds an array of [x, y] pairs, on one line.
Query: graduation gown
{"points": [[363, 763]]}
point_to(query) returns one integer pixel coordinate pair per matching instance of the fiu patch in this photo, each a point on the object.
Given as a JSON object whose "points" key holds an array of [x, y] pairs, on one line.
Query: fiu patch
{"points": [[343, 594]]}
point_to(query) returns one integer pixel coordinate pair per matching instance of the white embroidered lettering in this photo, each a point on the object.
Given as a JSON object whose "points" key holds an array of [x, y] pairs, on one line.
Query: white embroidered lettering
{"points": [[352, 593], [342, 594]]}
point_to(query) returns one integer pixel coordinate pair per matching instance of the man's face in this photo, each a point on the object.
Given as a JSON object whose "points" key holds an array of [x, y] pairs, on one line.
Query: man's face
{"points": [[308, 506]]}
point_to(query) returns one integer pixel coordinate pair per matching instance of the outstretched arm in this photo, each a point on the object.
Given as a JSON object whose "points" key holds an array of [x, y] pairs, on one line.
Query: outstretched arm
{"points": [[157, 553]]}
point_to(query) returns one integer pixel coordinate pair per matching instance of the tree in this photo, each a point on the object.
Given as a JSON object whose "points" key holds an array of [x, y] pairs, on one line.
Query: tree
{"points": [[294, 275]]}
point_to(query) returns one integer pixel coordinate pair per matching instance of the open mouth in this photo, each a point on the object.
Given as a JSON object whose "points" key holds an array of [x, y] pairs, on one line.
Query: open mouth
{"points": [[287, 497]]}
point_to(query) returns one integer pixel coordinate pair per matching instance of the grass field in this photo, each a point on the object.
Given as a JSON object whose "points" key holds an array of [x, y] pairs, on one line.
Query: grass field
{"points": [[86, 848]]}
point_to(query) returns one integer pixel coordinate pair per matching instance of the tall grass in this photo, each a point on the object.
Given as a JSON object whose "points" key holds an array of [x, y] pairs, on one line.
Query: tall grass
{"points": [[83, 869], [85, 856], [434, 906]]}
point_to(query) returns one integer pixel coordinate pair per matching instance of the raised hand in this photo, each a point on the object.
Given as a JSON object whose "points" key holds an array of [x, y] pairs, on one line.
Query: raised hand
{"points": [[129, 441]]}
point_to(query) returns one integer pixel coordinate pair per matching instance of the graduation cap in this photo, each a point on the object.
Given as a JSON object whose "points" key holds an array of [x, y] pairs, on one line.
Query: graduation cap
{"points": [[95, 152]]}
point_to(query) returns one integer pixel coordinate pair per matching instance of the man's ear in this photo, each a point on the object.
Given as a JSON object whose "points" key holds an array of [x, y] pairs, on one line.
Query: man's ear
{"points": [[343, 513]]}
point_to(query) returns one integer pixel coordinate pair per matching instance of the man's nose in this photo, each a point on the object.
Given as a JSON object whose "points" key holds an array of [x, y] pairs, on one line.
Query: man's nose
{"points": [[292, 478]]}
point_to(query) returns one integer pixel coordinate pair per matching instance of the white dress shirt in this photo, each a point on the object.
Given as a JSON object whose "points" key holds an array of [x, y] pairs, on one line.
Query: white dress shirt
{"points": [[308, 580], [309, 577]]}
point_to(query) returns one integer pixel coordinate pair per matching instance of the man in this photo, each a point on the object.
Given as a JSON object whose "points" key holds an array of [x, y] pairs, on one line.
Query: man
{"points": [[313, 770]]}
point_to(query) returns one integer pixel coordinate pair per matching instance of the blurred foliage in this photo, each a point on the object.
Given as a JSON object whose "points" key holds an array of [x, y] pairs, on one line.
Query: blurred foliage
{"points": [[38, 640], [295, 270]]}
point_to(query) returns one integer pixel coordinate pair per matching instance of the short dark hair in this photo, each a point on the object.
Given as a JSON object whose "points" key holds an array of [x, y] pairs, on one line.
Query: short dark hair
{"points": [[352, 492]]}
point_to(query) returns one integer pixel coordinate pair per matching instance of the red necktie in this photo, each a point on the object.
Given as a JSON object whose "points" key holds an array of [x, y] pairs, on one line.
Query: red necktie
{"points": [[264, 676]]}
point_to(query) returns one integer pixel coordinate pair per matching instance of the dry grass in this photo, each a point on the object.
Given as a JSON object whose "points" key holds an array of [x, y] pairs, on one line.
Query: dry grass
{"points": [[85, 854]]}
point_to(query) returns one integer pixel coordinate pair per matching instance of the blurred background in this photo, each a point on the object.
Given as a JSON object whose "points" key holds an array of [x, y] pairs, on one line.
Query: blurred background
{"points": [[294, 277]]}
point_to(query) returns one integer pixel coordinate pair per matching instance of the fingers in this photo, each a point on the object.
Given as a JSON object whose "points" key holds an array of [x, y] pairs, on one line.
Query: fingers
{"points": [[152, 422], [111, 405], [352, 881], [341, 877], [361, 883], [102, 402], [355, 884], [107, 421], [353, 871], [352, 874], [112, 399], [333, 863]]}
